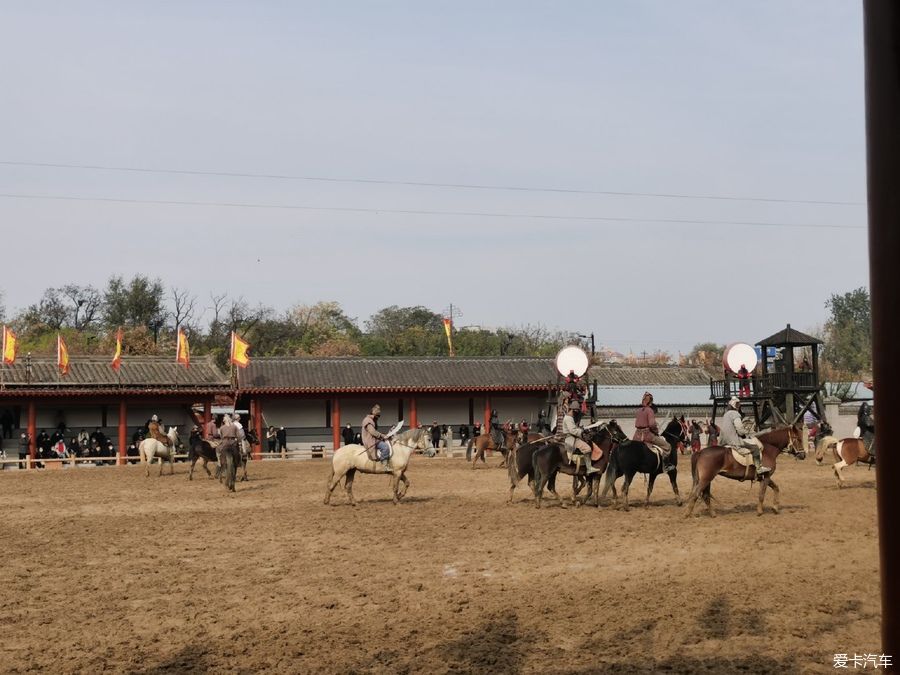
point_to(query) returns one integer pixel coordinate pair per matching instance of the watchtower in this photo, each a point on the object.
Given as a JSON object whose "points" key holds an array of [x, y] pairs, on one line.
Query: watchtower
{"points": [[794, 387]]}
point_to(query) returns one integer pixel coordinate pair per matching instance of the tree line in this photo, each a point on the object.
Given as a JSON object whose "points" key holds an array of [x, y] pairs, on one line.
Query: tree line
{"points": [[150, 315]]}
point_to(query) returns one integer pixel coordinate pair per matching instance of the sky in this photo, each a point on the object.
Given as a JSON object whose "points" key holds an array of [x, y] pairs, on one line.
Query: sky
{"points": [[571, 100]]}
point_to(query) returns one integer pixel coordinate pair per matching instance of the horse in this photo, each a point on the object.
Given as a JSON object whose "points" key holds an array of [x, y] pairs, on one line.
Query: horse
{"points": [[486, 442], [632, 457], [250, 439], [719, 460], [352, 458], [201, 449], [847, 451], [150, 448], [552, 459]]}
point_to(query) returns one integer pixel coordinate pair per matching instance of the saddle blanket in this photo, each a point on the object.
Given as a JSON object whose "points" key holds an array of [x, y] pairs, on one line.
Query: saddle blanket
{"points": [[741, 455], [662, 455]]}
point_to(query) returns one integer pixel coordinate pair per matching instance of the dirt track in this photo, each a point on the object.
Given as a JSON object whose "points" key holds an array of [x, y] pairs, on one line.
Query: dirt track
{"points": [[104, 568]]}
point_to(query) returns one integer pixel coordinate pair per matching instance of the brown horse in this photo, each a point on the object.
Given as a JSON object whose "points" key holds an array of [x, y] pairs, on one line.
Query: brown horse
{"points": [[848, 451], [486, 442], [718, 460]]}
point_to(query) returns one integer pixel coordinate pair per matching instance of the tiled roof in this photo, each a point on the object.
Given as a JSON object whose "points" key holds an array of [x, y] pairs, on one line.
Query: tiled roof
{"points": [[643, 376], [320, 375], [789, 337], [137, 372], [312, 375]]}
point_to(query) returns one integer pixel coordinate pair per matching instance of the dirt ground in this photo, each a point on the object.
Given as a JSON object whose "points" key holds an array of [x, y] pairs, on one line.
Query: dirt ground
{"points": [[105, 569]]}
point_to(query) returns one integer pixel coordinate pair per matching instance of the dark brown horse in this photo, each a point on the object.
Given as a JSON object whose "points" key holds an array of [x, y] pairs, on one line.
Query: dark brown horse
{"points": [[718, 460], [552, 459], [847, 452], [486, 442]]}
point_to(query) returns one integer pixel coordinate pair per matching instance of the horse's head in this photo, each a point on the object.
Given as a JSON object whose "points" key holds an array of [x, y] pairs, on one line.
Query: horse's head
{"points": [[616, 431], [674, 431], [787, 439]]}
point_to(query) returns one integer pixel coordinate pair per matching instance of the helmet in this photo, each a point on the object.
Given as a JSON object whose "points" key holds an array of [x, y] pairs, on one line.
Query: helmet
{"points": [[735, 402], [376, 409], [574, 406], [237, 417], [154, 419]]}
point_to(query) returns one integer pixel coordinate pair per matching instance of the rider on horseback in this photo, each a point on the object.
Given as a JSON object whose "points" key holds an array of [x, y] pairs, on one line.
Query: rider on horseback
{"points": [[154, 431], [735, 435], [496, 430], [866, 423], [375, 442], [576, 447], [646, 429]]}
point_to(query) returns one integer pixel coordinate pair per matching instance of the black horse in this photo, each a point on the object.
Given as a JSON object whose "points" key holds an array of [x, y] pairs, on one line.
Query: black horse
{"points": [[201, 449], [552, 459], [632, 457]]}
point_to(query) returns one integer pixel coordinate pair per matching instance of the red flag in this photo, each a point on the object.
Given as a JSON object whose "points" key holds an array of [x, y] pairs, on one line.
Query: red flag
{"points": [[117, 357]]}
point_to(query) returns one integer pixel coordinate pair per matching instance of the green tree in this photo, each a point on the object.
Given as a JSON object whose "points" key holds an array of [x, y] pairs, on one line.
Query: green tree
{"points": [[848, 333], [139, 302], [708, 355], [404, 331]]}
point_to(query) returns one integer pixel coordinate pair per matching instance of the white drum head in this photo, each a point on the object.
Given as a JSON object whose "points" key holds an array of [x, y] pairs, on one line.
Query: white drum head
{"points": [[738, 354], [572, 358]]}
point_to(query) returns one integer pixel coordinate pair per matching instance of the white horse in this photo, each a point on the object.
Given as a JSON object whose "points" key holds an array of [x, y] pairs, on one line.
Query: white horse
{"points": [[150, 448], [352, 458]]}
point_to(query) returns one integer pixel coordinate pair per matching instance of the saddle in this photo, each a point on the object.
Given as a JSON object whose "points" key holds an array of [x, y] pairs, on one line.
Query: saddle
{"points": [[661, 455], [742, 455]]}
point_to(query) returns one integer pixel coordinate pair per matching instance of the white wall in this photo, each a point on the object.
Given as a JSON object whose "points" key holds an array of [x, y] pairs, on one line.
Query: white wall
{"points": [[519, 407], [453, 411], [295, 413]]}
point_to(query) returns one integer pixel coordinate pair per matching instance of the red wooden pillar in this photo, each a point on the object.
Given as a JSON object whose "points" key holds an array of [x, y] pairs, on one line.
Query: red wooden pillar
{"points": [[336, 423], [258, 425], [413, 413], [486, 429], [32, 430], [207, 416], [123, 430]]}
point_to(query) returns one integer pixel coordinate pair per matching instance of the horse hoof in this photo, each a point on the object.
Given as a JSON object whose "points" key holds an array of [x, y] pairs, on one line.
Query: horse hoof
{"points": [[678, 502]]}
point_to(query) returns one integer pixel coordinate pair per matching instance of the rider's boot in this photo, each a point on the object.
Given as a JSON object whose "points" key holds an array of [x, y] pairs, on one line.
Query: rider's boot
{"points": [[589, 465], [757, 462]]}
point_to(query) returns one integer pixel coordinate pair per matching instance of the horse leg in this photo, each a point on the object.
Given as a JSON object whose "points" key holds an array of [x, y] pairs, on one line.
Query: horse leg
{"points": [[395, 487], [206, 468], [673, 478], [244, 466], [837, 472], [628, 479], [405, 485], [650, 481], [776, 493], [191, 472], [707, 497], [763, 485]]}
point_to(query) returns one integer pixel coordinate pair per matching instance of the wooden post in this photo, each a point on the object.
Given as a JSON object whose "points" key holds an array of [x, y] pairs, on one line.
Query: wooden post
{"points": [[413, 413], [123, 431], [336, 423], [207, 416], [881, 21], [487, 415], [32, 431], [258, 425]]}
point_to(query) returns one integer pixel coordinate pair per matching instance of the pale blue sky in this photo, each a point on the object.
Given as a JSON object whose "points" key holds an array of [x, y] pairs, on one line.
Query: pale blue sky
{"points": [[757, 99]]}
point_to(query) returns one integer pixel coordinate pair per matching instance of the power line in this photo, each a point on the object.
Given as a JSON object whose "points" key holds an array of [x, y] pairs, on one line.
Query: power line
{"points": [[409, 183], [427, 212]]}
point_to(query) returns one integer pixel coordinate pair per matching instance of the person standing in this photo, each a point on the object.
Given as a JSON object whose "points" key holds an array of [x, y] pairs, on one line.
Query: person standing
{"points": [[281, 437], [744, 377], [347, 434], [695, 436], [24, 448], [463, 434], [271, 439], [435, 431]]}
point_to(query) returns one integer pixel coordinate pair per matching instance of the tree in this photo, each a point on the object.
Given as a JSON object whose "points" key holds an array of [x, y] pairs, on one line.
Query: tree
{"points": [[848, 331], [140, 302], [707, 355], [86, 303], [183, 304], [404, 331]]}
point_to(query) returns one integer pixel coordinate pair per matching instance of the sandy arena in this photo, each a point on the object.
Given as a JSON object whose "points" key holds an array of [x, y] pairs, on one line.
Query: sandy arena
{"points": [[105, 569]]}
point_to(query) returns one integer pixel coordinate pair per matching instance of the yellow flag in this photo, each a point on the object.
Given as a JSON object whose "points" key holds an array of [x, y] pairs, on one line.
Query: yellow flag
{"points": [[240, 351], [9, 346], [117, 357], [448, 325], [62, 355], [183, 350]]}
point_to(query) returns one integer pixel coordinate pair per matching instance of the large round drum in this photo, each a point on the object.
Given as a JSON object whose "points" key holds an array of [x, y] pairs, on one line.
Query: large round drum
{"points": [[572, 358], [738, 354]]}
